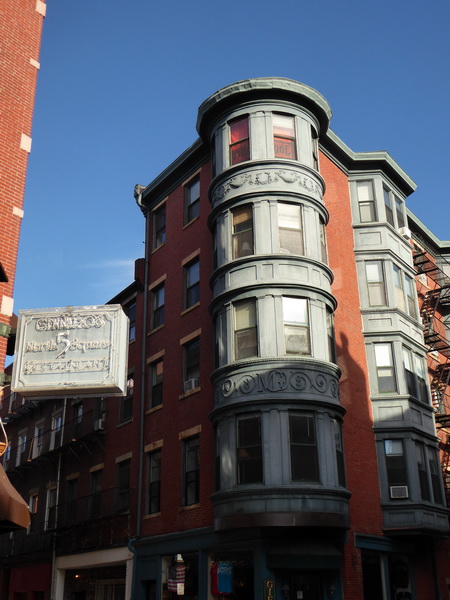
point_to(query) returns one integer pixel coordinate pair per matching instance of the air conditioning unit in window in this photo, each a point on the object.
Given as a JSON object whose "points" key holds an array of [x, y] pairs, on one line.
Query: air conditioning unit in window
{"points": [[99, 425], [405, 232], [191, 384], [398, 491]]}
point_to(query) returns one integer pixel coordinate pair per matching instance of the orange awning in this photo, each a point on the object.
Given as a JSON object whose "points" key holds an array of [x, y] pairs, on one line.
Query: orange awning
{"points": [[14, 512]]}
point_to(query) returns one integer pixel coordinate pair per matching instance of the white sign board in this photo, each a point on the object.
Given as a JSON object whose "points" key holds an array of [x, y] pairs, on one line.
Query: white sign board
{"points": [[76, 350]]}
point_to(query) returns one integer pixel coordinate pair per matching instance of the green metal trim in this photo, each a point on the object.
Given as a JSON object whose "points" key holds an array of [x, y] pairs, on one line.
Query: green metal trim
{"points": [[5, 330]]}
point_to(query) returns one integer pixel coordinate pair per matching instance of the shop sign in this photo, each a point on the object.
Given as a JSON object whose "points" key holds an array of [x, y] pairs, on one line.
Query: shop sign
{"points": [[80, 350]]}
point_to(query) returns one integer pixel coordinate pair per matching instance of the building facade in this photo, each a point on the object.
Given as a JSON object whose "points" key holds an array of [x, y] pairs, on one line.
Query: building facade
{"points": [[278, 438]]}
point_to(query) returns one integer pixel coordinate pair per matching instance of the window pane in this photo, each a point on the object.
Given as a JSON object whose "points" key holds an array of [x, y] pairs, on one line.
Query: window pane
{"points": [[192, 360], [366, 201], [388, 206], [159, 226], [154, 478], [239, 140], [249, 451], [284, 137], [191, 472], [243, 231], [290, 228], [385, 368], [192, 283], [157, 370], [395, 462], [375, 283], [296, 327], [422, 470], [246, 340], [304, 459], [399, 211], [192, 200]]}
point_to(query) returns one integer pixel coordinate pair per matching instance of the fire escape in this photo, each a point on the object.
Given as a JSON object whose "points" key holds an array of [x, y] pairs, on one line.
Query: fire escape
{"points": [[433, 287]]}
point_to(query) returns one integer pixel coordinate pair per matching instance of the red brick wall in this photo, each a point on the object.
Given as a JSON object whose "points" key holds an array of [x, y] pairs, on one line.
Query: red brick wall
{"points": [[20, 35]]}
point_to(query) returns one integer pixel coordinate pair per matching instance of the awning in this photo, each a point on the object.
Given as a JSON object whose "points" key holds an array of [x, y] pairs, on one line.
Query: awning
{"points": [[14, 512]]}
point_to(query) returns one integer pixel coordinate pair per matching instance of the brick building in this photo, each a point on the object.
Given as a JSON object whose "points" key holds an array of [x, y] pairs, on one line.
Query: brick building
{"points": [[278, 439]]}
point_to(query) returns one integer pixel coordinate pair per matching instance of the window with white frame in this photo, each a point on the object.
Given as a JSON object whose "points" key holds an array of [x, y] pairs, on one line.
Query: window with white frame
{"points": [[192, 200], [284, 138], [384, 362], [376, 285], [296, 326], [21, 447], [415, 375], [290, 228], [388, 206], [157, 318], [245, 329], [398, 286], [55, 439], [366, 201], [38, 441]]}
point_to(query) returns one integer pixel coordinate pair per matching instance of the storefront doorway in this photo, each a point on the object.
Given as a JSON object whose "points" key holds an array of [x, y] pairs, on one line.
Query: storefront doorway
{"points": [[303, 586]]}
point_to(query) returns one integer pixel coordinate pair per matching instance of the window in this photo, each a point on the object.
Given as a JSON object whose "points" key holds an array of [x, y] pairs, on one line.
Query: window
{"points": [[38, 439], [398, 283], [96, 496], [399, 212], [415, 375], [290, 228], [191, 352], [159, 226], [123, 485], [126, 402], [396, 469], [385, 368], [154, 482], [55, 441], [435, 473], [243, 231], [239, 140], [156, 383], [158, 306], [388, 207], [192, 283], [331, 339], [339, 452], [366, 201], [284, 144], [192, 200], [71, 504], [411, 302], [296, 326], [50, 514], [7, 456], [130, 311], [376, 288], [422, 470], [303, 445], [191, 471], [315, 149], [245, 330], [21, 447], [249, 451], [77, 424], [323, 242]]}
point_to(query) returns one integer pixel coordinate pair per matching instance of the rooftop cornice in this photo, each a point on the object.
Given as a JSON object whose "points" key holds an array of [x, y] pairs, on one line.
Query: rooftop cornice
{"points": [[442, 246], [263, 88]]}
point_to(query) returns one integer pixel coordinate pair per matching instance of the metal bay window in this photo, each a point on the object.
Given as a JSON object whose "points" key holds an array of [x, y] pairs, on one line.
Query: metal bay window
{"points": [[366, 201], [239, 140], [243, 231], [415, 375], [245, 329], [290, 228], [284, 142], [376, 287], [397, 474], [303, 448], [385, 368], [249, 450]]}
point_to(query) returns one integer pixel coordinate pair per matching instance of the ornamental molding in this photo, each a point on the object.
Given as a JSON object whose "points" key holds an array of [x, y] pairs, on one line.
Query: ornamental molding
{"points": [[285, 381], [267, 177]]}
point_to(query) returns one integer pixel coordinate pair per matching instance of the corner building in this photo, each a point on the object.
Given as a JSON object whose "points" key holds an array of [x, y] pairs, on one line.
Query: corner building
{"points": [[289, 434]]}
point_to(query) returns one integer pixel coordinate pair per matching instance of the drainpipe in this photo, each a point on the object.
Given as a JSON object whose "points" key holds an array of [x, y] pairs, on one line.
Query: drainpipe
{"points": [[138, 196]]}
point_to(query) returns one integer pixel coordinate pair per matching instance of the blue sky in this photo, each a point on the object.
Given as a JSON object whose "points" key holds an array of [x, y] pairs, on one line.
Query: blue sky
{"points": [[119, 88]]}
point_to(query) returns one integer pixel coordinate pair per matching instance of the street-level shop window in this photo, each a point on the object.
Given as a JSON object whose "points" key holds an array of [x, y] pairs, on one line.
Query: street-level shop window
{"points": [[158, 306], [191, 491], [366, 201], [397, 474], [156, 383], [239, 140], [290, 228], [284, 138], [192, 283], [376, 286], [303, 448], [192, 200], [296, 326], [385, 368], [249, 450], [159, 226], [154, 482], [243, 244], [245, 329]]}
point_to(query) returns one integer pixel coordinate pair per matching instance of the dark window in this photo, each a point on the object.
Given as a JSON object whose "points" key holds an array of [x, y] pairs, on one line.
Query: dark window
{"points": [[385, 368], [411, 292], [156, 383], [245, 330], [415, 375], [315, 149], [159, 226], [331, 339], [284, 143], [191, 471], [192, 283], [422, 469], [126, 402], [191, 200], [95, 498], [154, 482], [366, 201], [399, 212], [249, 451], [435, 473], [388, 206], [303, 443], [339, 452], [296, 326], [77, 420], [158, 306], [243, 231], [398, 286], [290, 228], [191, 351], [130, 311], [323, 242], [239, 140], [397, 474], [123, 485], [71, 504], [51, 509]]}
